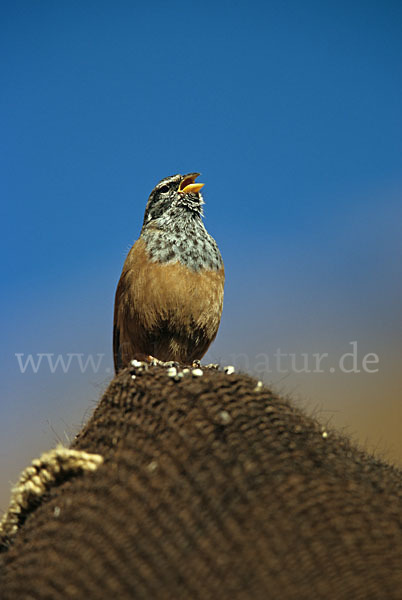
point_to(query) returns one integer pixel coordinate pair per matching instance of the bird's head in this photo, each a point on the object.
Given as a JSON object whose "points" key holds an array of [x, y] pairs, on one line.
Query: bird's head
{"points": [[174, 194]]}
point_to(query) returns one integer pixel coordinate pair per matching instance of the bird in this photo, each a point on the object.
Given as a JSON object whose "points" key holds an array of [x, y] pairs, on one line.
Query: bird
{"points": [[169, 297]]}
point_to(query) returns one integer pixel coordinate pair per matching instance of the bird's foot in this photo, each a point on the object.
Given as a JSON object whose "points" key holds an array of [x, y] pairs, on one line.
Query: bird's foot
{"points": [[155, 362]]}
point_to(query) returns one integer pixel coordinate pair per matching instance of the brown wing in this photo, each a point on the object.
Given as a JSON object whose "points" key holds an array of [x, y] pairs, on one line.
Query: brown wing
{"points": [[118, 363]]}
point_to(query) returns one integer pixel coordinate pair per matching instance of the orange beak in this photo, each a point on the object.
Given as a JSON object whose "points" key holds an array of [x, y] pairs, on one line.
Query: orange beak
{"points": [[188, 186]]}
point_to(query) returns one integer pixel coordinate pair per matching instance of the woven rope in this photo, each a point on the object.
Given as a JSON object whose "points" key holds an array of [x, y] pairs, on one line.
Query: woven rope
{"points": [[211, 487]]}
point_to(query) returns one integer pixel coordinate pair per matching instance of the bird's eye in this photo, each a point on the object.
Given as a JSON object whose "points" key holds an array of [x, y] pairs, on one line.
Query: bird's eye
{"points": [[164, 189]]}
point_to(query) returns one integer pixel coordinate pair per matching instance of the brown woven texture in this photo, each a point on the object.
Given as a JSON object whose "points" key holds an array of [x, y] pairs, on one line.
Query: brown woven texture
{"points": [[211, 489]]}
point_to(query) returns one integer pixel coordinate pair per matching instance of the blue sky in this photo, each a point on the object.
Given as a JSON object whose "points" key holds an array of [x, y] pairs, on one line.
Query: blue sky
{"points": [[292, 113]]}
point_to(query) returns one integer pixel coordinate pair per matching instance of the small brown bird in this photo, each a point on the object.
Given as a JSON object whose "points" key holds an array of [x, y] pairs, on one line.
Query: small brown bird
{"points": [[170, 294]]}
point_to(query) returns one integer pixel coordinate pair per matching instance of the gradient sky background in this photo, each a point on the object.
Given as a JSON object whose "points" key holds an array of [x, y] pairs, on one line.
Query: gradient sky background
{"points": [[292, 113]]}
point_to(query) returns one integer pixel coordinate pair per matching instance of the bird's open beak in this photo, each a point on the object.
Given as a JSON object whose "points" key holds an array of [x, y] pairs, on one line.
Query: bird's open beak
{"points": [[188, 186]]}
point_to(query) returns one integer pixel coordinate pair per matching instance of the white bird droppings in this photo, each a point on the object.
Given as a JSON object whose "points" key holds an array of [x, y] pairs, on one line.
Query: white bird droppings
{"points": [[229, 370], [171, 372], [225, 417], [136, 363]]}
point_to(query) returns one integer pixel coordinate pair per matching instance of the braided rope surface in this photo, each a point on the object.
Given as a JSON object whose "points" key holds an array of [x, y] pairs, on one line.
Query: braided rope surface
{"points": [[210, 487]]}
